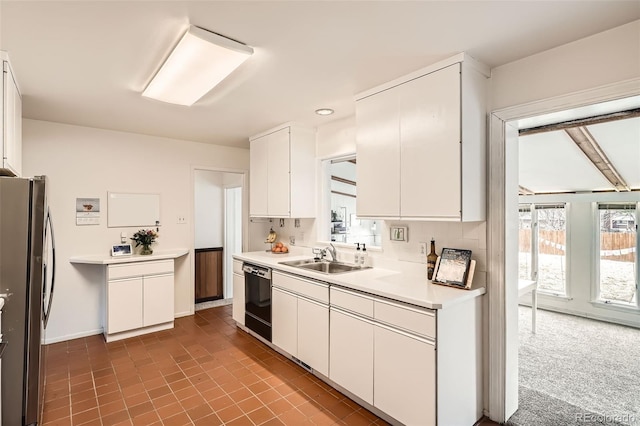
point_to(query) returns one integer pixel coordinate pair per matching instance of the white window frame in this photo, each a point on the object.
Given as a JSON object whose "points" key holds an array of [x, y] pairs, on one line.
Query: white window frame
{"points": [[596, 300]]}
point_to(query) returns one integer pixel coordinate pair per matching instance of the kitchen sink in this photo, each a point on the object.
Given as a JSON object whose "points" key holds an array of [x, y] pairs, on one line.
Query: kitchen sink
{"points": [[324, 266]]}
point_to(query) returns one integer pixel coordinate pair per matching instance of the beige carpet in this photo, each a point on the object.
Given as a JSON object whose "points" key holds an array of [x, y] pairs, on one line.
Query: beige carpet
{"points": [[577, 371]]}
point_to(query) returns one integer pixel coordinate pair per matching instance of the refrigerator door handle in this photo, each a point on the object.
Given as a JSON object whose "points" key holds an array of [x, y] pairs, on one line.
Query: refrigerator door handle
{"points": [[46, 311]]}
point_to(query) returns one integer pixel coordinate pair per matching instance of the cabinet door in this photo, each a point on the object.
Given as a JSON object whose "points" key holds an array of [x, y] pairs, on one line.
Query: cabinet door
{"points": [[430, 151], [284, 321], [258, 165], [158, 299], [124, 305], [351, 354], [378, 155], [238, 298], [278, 174], [313, 335], [405, 377], [13, 124]]}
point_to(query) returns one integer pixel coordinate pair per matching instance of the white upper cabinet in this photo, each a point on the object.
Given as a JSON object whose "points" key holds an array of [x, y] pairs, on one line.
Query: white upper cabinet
{"points": [[282, 179], [420, 144], [11, 112]]}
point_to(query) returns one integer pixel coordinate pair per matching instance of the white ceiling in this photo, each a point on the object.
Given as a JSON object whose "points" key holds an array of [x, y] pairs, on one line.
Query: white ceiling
{"points": [[552, 162], [86, 62]]}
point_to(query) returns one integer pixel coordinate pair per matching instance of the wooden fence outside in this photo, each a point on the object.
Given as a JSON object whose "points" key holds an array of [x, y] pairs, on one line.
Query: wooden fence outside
{"points": [[554, 242]]}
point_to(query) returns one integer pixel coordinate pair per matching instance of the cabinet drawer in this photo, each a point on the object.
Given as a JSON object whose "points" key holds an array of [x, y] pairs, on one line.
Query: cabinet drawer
{"points": [[138, 269], [351, 301], [311, 289], [237, 267], [416, 320]]}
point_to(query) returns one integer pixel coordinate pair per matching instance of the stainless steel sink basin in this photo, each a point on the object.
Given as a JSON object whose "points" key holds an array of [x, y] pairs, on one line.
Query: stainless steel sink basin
{"points": [[323, 266], [297, 262]]}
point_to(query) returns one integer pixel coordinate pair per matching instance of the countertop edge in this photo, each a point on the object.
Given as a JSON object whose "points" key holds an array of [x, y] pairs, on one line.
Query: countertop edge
{"points": [[109, 260], [461, 295]]}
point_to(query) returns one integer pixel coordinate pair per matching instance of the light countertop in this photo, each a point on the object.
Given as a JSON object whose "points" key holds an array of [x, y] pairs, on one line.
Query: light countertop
{"points": [[408, 287], [99, 259]]}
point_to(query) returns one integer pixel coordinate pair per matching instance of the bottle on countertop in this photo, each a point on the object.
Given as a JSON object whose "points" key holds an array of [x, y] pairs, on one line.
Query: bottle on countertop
{"points": [[364, 256], [356, 257], [432, 257]]}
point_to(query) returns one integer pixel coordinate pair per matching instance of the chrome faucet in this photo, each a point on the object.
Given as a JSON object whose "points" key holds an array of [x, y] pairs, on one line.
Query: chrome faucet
{"points": [[331, 249]]}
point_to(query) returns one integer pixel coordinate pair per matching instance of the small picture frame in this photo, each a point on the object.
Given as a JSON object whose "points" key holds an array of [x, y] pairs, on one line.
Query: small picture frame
{"points": [[454, 268], [398, 233], [121, 250]]}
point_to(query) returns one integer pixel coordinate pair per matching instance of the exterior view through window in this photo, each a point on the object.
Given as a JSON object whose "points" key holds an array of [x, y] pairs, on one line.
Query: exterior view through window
{"points": [[525, 258], [543, 246], [618, 254]]}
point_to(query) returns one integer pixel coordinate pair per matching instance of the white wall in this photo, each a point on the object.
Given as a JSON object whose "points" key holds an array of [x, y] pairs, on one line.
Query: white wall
{"points": [[601, 59], [209, 208], [87, 162]]}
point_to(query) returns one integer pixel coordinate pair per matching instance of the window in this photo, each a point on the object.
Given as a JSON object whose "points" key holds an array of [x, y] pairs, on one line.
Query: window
{"points": [[525, 257], [343, 226], [543, 246], [618, 253], [552, 248]]}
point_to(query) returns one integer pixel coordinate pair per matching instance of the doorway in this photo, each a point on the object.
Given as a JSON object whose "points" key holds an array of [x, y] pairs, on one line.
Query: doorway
{"points": [[218, 234], [502, 241]]}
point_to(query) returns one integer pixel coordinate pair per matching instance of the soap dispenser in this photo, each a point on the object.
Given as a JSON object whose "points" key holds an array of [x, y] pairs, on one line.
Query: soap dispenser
{"points": [[356, 257], [364, 256]]}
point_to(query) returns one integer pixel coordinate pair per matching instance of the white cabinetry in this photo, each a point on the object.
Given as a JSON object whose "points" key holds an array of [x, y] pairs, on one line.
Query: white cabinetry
{"points": [[351, 353], [421, 144], [238, 293], [11, 113], [405, 390], [139, 298], [351, 342], [300, 319], [282, 174]]}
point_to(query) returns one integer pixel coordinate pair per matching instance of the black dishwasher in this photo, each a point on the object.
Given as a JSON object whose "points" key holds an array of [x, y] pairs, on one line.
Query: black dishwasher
{"points": [[257, 290]]}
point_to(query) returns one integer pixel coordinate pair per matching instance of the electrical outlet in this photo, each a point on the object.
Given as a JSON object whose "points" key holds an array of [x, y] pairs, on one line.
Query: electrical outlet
{"points": [[182, 220], [423, 249]]}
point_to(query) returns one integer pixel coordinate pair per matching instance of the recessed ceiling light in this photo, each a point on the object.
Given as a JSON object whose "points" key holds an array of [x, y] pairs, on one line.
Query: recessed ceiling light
{"points": [[324, 111]]}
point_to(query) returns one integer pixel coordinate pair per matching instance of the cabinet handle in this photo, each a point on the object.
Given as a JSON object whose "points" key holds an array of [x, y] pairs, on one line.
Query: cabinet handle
{"points": [[303, 279], [404, 333], [352, 315]]}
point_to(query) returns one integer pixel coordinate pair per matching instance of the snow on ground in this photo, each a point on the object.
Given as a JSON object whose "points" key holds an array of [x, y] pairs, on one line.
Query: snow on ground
{"points": [[617, 278]]}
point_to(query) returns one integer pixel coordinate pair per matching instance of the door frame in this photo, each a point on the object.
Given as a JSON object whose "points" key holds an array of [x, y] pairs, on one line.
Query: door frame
{"points": [[192, 232], [502, 234]]}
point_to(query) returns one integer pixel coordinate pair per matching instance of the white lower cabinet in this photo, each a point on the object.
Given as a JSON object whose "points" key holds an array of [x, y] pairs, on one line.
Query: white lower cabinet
{"points": [[124, 305], [284, 320], [405, 376], [157, 291], [140, 298], [313, 334], [300, 319], [351, 353], [238, 296]]}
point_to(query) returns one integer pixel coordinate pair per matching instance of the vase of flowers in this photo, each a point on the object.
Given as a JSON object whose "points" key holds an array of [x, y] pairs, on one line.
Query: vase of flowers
{"points": [[144, 238]]}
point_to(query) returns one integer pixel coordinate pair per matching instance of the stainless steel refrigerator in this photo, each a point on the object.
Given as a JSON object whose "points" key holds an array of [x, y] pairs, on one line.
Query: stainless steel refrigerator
{"points": [[27, 259]]}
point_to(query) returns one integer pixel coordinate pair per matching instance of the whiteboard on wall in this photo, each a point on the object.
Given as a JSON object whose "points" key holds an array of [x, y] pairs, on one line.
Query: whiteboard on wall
{"points": [[128, 209]]}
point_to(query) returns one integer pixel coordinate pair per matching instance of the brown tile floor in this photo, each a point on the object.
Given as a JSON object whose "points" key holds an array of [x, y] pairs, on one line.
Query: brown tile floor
{"points": [[204, 372]]}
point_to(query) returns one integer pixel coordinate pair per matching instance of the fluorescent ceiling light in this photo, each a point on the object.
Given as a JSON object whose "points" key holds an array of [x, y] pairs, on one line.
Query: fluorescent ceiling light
{"points": [[199, 62]]}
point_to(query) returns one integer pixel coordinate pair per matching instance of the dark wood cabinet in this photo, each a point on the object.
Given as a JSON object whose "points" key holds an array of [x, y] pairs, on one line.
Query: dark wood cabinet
{"points": [[209, 274]]}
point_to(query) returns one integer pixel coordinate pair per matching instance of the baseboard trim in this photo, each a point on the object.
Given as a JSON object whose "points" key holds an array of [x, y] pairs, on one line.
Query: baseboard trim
{"points": [[49, 341]]}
